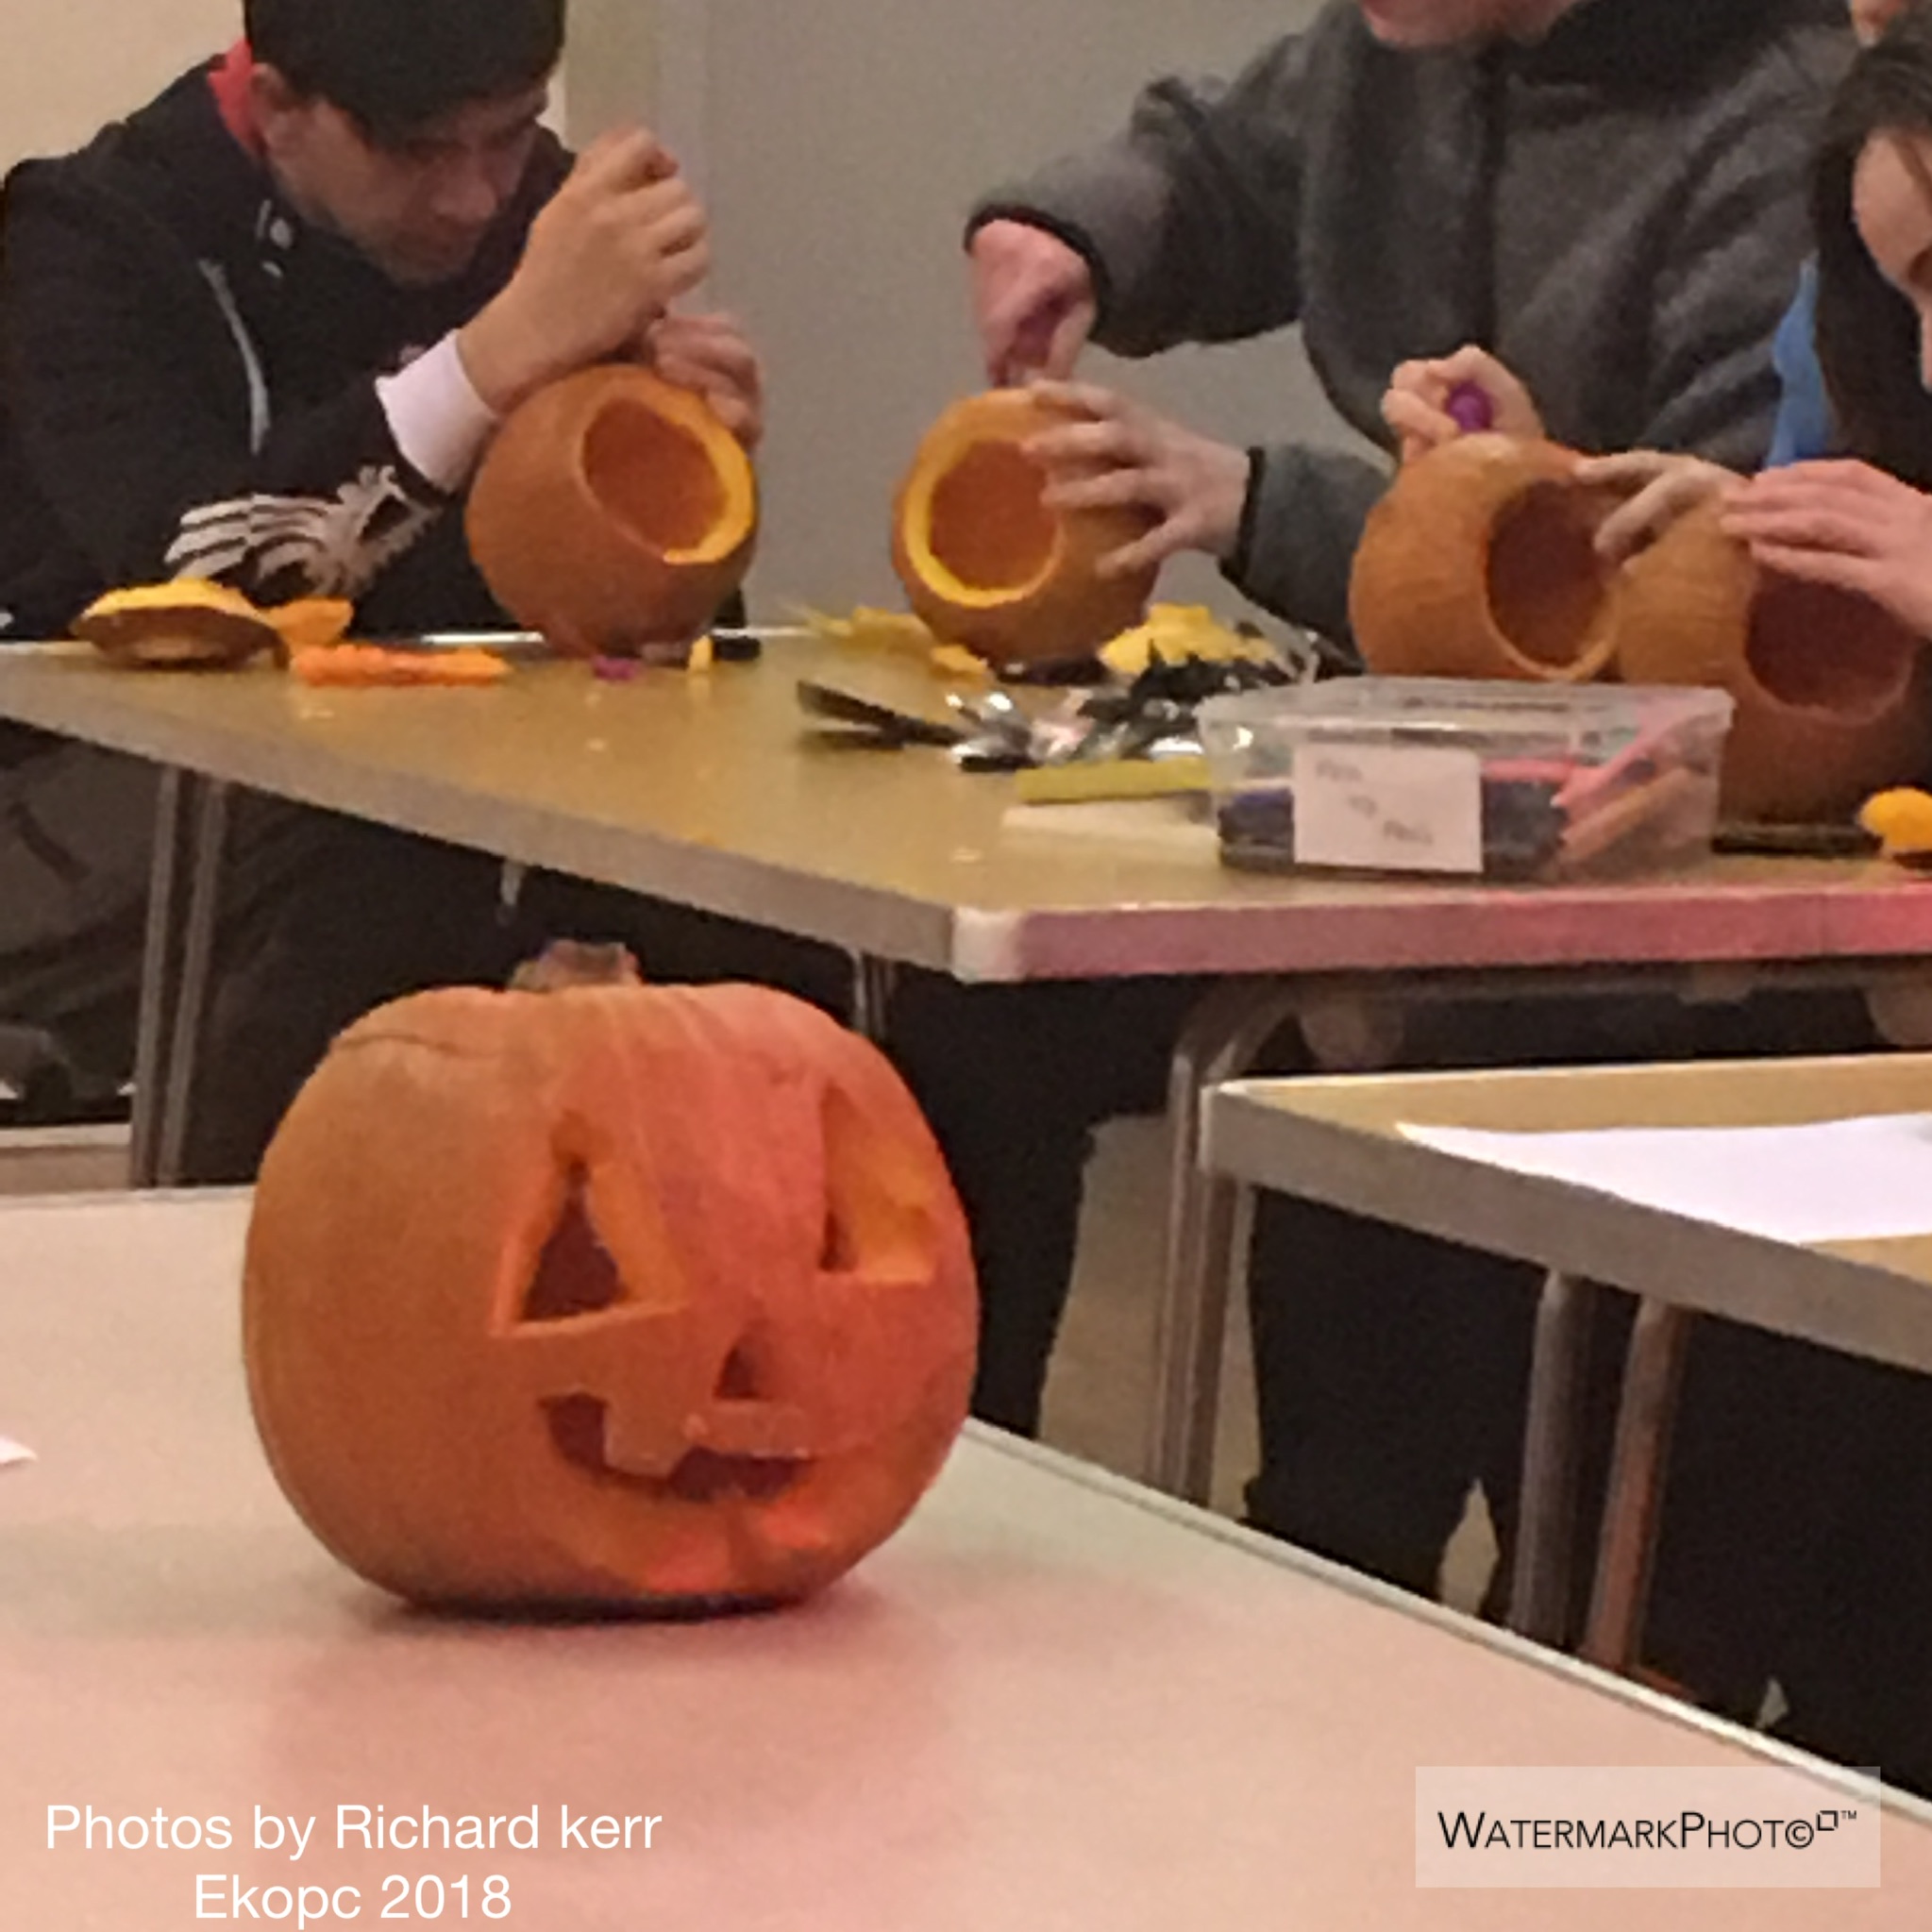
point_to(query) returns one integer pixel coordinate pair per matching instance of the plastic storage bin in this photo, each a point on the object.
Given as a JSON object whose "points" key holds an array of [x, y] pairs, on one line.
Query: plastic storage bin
{"points": [[1444, 776]]}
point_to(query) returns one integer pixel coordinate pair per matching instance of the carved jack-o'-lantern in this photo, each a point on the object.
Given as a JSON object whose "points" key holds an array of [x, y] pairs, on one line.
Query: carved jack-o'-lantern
{"points": [[1831, 692], [1479, 562], [986, 563], [615, 512], [624, 1297]]}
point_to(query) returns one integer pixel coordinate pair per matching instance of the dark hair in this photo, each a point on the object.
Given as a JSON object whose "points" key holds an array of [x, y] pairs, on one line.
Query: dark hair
{"points": [[394, 66], [1868, 333]]}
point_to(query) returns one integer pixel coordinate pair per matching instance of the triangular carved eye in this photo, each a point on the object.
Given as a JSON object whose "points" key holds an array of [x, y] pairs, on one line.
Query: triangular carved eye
{"points": [[575, 1273], [743, 1377], [837, 1254]]}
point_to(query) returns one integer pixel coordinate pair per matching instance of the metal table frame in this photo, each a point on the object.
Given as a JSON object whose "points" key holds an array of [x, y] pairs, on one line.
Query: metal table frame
{"points": [[1276, 953], [1849, 1302]]}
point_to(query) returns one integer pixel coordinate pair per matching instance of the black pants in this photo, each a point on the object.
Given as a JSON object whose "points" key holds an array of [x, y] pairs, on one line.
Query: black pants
{"points": [[1015, 1079], [77, 826], [323, 918]]}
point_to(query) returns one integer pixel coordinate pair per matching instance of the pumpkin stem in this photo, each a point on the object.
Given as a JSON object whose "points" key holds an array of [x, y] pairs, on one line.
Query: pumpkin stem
{"points": [[566, 963]]}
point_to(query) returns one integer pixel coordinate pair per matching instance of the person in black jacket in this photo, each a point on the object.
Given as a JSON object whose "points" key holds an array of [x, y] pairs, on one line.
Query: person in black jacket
{"points": [[261, 332]]}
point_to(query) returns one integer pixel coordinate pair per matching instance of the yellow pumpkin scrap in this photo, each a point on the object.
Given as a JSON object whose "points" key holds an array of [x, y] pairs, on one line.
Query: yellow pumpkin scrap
{"points": [[190, 623], [311, 623], [1901, 820], [871, 629], [1175, 633]]}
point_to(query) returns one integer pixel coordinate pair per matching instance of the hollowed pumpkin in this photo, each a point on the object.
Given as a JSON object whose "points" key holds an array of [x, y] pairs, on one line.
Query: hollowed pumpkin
{"points": [[621, 1297], [984, 561], [613, 513], [1479, 563], [1832, 702]]}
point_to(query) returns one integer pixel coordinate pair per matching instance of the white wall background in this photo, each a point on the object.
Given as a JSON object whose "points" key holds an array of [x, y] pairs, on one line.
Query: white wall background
{"points": [[840, 144], [72, 64]]}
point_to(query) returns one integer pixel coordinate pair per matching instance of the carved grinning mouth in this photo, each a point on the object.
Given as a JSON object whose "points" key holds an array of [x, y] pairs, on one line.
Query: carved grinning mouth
{"points": [[575, 1276], [702, 1475]]}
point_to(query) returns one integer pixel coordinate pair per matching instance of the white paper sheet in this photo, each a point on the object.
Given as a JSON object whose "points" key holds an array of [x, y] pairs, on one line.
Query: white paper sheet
{"points": [[11, 1452], [1856, 1180]]}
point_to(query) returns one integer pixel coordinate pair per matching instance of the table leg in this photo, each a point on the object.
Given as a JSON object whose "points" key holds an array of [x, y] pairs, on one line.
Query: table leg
{"points": [[1546, 1526], [1632, 1505], [158, 956], [210, 836], [873, 981], [1223, 1036]]}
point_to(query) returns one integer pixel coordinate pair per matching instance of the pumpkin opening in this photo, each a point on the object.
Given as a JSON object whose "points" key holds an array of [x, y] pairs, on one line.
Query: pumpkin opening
{"points": [[1815, 648], [985, 529], [1548, 591], [658, 480], [575, 1274]]}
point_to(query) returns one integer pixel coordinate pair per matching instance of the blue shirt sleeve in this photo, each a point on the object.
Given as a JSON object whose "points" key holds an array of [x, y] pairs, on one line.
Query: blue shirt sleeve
{"points": [[1804, 428]]}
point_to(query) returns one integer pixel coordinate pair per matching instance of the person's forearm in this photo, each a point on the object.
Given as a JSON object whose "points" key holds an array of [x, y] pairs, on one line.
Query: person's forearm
{"points": [[1301, 525], [1188, 218]]}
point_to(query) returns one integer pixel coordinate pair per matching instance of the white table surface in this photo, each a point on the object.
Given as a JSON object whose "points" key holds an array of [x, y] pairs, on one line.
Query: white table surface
{"points": [[1053, 1701]]}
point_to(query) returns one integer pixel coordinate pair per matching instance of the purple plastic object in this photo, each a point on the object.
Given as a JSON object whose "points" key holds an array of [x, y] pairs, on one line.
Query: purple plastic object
{"points": [[1470, 408]]}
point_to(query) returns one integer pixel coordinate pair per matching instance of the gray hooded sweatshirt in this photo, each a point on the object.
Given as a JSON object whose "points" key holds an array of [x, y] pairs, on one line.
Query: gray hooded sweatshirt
{"points": [[1618, 211]]}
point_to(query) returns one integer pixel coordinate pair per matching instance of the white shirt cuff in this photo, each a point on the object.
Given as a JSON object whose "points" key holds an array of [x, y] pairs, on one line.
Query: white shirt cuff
{"points": [[439, 421]]}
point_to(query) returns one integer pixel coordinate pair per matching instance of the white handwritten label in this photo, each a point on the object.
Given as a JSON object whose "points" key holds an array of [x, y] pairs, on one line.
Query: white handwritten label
{"points": [[1390, 808]]}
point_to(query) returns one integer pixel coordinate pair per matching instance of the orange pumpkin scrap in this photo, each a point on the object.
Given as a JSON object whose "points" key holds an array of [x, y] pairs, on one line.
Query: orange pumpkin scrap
{"points": [[311, 623], [370, 665], [613, 1296], [614, 513], [1901, 820], [984, 561]]}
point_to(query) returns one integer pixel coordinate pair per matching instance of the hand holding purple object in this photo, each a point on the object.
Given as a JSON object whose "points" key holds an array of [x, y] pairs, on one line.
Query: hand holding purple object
{"points": [[1470, 408]]}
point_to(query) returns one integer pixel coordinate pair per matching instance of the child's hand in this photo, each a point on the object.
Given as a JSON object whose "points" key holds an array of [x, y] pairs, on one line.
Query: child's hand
{"points": [[1115, 454], [1416, 405], [621, 240], [1846, 525], [712, 355], [1661, 487]]}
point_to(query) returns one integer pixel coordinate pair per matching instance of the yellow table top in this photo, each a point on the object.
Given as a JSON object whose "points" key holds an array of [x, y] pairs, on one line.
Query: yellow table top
{"points": [[714, 790]]}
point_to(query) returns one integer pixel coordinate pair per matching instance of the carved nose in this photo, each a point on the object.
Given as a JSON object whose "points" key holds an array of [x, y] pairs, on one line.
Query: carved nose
{"points": [[745, 1418]]}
